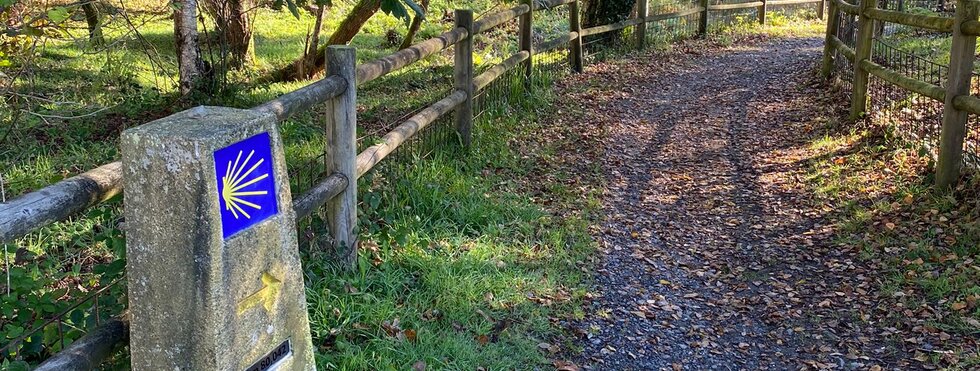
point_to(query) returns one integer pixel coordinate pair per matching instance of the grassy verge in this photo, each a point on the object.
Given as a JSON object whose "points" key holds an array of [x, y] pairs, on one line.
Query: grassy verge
{"points": [[924, 245], [467, 256], [130, 83]]}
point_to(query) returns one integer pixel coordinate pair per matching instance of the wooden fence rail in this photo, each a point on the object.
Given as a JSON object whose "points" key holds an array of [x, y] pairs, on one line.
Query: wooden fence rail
{"points": [[337, 191], [955, 96]]}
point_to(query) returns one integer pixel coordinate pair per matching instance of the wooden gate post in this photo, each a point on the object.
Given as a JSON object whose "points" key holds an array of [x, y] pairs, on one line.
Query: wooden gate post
{"points": [[575, 56], [833, 23], [762, 12], [862, 52], [525, 42], [642, 12], [463, 76], [341, 130], [957, 83], [703, 20], [820, 8]]}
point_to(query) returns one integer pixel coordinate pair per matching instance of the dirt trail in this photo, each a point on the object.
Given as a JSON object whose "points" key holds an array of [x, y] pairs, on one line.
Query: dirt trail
{"points": [[712, 257]]}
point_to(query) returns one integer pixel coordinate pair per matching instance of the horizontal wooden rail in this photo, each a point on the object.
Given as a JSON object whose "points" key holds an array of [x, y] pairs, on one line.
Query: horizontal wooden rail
{"points": [[324, 191], [672, 15], [971, 28], [59, 201], [303, 98], [842, 48], [610, 27], [383, 66], [549, 45], [493, 20], [69, 197], [482, 80], [967, 103], [635, 21], [846, 7], [754, 4], [907, 83], [374, 154], [942, 24], [89, 351], [790, 2], [551, 4]]}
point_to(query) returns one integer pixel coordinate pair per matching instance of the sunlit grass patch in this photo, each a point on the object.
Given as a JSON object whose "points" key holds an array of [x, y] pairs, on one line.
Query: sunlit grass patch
{"points": [[459, 269], [923, 244]]}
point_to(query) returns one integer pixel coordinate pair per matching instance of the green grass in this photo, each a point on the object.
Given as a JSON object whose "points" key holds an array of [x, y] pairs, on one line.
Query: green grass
{"points": [[923, 243], [470, 252], [472, 270], [745, 24]]}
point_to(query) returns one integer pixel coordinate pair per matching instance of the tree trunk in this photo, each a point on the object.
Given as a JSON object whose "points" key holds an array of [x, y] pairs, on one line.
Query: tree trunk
{"points": [[234, 26], [190, 64], [348, 28], [94, 20], [414, 27], [313, 42], [600, 12]]}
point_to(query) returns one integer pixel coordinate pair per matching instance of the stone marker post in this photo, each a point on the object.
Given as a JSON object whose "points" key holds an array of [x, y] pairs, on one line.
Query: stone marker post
{"points": [[215, 281]]}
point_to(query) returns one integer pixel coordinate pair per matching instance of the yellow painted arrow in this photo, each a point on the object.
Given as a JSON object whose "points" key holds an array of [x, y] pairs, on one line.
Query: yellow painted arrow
{"points": [[265, 296]]}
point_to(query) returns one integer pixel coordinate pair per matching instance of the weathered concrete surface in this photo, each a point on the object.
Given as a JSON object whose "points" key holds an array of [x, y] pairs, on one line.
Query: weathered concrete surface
{"points": [[185, 281]]}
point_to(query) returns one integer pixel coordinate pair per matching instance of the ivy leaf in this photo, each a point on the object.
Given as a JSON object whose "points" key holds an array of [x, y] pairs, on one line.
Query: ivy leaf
{"points": [[58, 14], [290, 4], [395, 9], [419, 12]]}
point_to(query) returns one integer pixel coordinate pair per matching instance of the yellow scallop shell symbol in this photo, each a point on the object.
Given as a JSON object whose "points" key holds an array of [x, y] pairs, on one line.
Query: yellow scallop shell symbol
{"points": [[234, 180]]}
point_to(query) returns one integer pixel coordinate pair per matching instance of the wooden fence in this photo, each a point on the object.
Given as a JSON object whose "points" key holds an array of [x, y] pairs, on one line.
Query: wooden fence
{"points": [[338, 90], [953, 92]]}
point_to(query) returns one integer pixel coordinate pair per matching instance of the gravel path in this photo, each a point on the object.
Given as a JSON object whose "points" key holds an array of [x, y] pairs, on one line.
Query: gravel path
{"points": [[711, 256]]}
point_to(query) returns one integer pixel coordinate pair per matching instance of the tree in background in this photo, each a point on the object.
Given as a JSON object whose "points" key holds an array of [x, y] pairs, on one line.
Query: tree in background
{"points": [[190, 65], [345, 32], [319, 10], [600, 12], [93, 17], [414, 27], [233, 21]]}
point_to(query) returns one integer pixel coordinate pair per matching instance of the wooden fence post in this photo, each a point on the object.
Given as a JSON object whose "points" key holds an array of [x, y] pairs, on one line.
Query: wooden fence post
{"points": [[862, 51], [642, 12], [341, 133], [575, 48], [762, 12], [525, 42], [833, 23], [703, 20], [463, 76], [957, 83]]}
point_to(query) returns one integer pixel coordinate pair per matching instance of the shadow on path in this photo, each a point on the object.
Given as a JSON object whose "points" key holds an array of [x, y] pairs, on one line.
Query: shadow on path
{"points": [[713, 257]]}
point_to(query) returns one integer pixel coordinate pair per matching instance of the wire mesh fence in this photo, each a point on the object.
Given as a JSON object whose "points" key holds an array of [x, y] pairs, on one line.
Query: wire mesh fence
{"points": [[667, 31], [843, 68], [720, 19], [937, 6], [912, 116]]}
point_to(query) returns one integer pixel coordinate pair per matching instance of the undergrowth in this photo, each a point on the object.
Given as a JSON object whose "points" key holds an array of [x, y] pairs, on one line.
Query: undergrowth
{"points": [[924, 244], [459, 268]]}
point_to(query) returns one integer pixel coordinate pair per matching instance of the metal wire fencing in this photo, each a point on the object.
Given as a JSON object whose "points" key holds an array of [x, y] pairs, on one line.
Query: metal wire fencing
{"points": [[843, 68], [915, 117]]}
